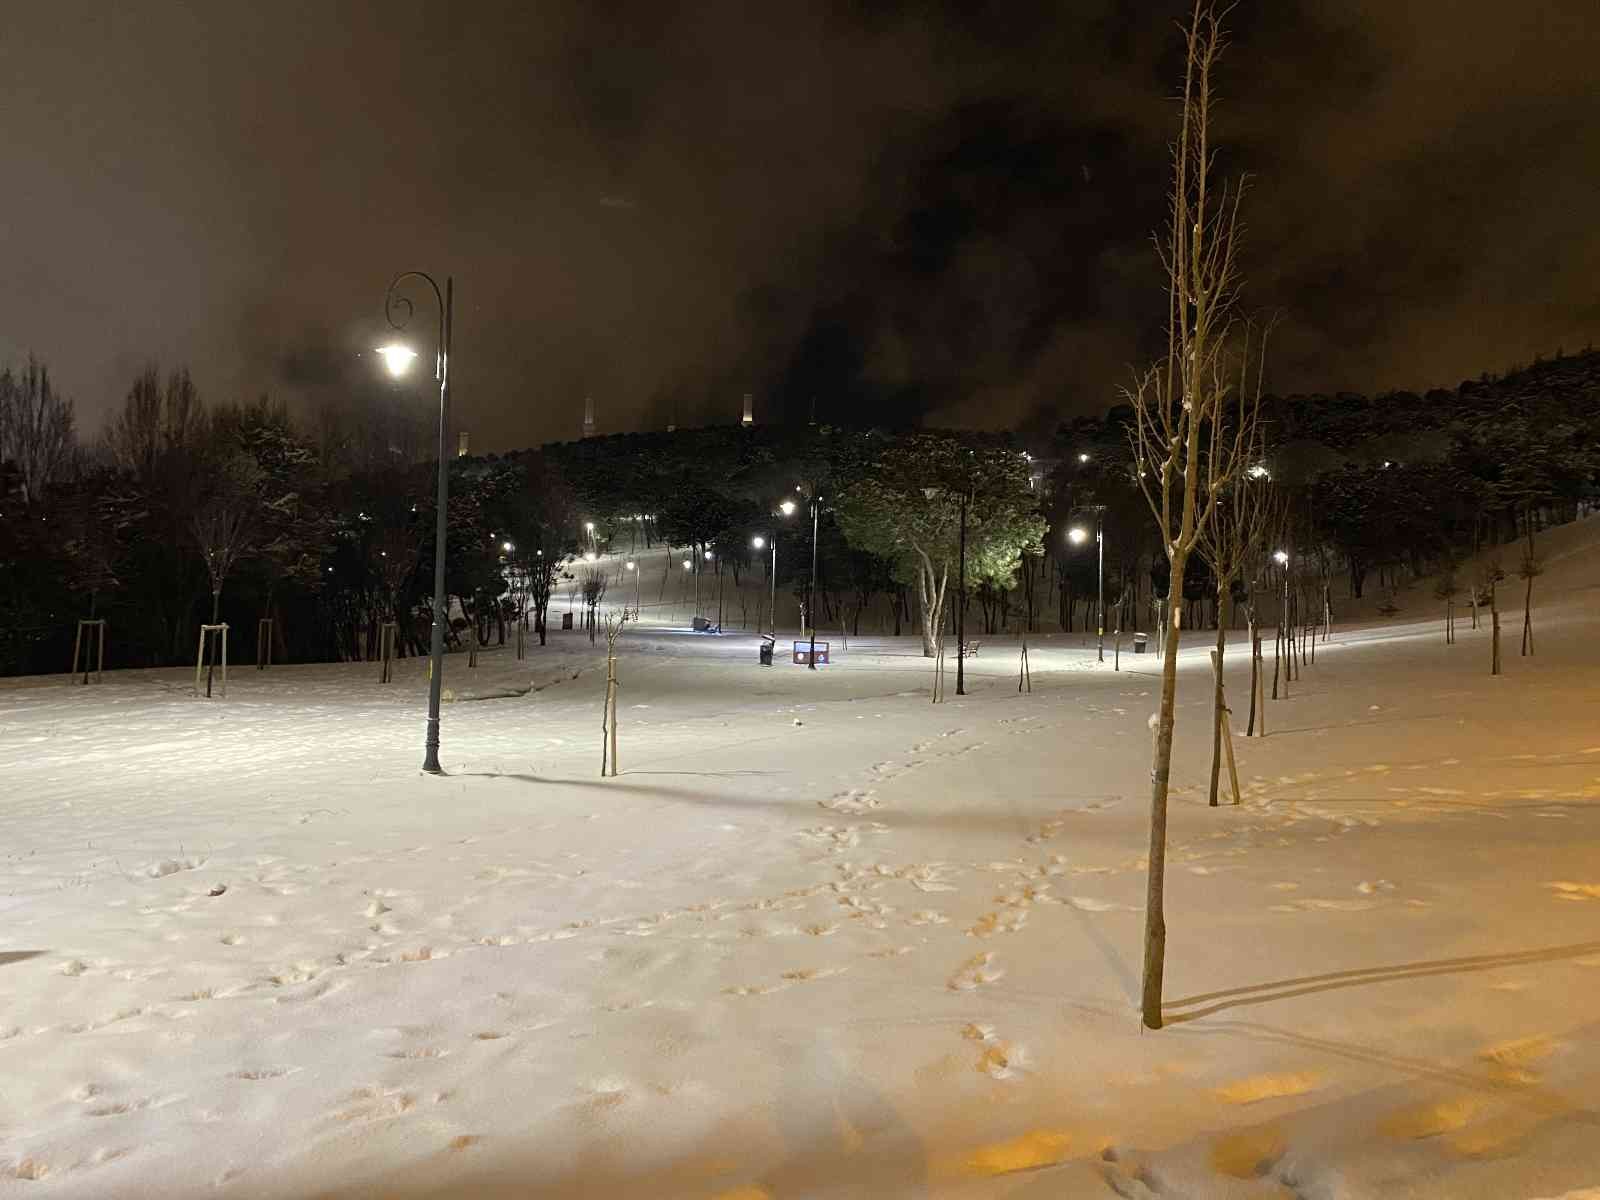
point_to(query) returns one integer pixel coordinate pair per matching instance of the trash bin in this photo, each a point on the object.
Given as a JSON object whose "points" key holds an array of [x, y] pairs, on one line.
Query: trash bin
{"points": [[566, 620], [1140, 640], [766, 652]]}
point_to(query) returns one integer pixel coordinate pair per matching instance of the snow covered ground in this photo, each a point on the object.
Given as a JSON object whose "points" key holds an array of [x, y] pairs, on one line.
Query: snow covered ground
{"points": [[821, 938]]}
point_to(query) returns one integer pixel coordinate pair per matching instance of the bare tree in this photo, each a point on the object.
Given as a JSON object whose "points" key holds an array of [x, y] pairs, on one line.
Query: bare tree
{"points": [[1529, 569], [1447, 589], [1490, 575], [608, 723], [1233, 537], [223, 527], [36, 428], [1191, 435], [594, 590]]}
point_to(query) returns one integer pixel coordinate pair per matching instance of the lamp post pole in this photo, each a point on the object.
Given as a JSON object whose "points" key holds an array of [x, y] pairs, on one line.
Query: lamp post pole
{"points": [[398, 310], [772, 607], [811, 597], [1100, 571], [961, 606]]}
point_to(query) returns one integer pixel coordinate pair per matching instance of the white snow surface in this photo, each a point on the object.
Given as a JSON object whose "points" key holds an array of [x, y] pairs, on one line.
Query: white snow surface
{"points": [[820, 938]]}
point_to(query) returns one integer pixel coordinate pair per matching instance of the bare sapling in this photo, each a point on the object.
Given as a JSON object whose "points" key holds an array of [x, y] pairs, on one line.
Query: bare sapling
{"points": [[1190, 438], [1492, 576], [1447, 589], [1530, 569], [1238, 525], [614, 623]]}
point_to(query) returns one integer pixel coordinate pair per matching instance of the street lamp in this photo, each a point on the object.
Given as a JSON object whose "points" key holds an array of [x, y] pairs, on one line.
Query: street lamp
{"points": [[758, 542], [1281, 557], [398, 310], [1078, 535], [634, 568]]}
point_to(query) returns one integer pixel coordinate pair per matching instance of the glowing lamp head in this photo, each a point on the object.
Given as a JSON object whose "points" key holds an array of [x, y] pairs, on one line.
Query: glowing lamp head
{"points": [[507, 547], [1077, 535], [708, 555], [629, 564], [1282, 556], [687, 565], [588, 526], [1083, 458], [397, 357], [590, 557], [786, 508], [758, 542]]}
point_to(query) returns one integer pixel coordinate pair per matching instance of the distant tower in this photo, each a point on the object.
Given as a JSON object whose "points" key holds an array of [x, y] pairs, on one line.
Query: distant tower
{"points": [[588, 416], [461, 444], [749, 410]]}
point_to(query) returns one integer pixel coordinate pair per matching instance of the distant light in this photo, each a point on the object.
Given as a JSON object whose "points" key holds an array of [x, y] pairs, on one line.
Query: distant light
{"points": [[589, 526], [589, 557], [758, 542], [1259, 472], [1077, 535], [1282, 556], [629, 564], [540, 553], [687, 565], [1083, 458], [786, 508], [398, 357], [507, 547], [708, 554]]}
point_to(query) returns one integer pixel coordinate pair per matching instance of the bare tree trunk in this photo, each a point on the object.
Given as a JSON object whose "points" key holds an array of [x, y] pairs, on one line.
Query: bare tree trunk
{"points": [[1155, 923], [1217, 710], [1255, 665], [1494, 625]]}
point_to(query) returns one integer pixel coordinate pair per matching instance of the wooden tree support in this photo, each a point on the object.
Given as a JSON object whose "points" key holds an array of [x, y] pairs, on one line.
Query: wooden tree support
{"points": [[386, 635], [264, 628], [213, 638], [92, 646], [1225, 715], [522, 640]]}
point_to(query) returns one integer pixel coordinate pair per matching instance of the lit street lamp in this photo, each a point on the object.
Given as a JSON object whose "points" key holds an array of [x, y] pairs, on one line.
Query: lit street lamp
{"points": [[634, 568], [1078, 535], [758, 542], [398, 310]]}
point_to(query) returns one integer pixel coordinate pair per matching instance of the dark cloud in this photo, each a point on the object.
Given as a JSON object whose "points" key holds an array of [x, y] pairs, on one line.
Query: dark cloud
{"points": [[922, 211]]}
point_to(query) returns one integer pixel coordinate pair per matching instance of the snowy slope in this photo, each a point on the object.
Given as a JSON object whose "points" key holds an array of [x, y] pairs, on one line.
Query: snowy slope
{"points": [[820, 938]]}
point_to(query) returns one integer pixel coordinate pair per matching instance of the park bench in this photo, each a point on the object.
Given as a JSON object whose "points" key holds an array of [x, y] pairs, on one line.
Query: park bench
{"points": [[802, 653], [971, 650]]}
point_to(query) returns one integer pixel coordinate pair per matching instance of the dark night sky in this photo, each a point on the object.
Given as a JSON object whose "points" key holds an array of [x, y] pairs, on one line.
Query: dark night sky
{"points": [[940, 211]]}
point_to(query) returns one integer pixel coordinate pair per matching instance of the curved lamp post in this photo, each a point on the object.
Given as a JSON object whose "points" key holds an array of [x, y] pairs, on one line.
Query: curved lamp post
{"points": [[398, 310]]}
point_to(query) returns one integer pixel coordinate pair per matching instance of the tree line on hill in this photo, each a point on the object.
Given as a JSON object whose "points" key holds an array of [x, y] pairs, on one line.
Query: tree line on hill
{"points": [[183, 512]]}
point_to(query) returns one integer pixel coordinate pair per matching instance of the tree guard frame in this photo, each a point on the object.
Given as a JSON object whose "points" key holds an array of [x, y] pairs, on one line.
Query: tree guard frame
{"points": [[212, 637]]}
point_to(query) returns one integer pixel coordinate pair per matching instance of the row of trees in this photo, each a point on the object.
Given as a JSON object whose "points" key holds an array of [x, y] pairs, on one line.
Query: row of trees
{"points": [[183, 511]]}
